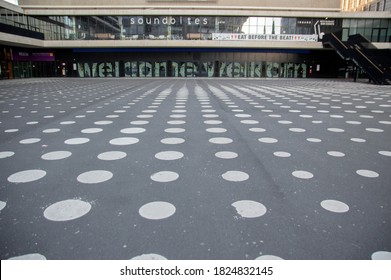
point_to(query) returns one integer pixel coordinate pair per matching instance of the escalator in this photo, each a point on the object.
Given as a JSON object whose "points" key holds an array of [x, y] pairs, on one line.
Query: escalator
{"points": [[364, 54]]}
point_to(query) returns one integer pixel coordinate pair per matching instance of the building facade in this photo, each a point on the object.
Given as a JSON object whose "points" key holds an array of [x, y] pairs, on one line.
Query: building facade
{"points": [[173, 38]]}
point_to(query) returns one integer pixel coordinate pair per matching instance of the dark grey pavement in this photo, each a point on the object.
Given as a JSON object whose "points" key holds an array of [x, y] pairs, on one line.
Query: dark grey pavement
{"points": [[194, 169]]}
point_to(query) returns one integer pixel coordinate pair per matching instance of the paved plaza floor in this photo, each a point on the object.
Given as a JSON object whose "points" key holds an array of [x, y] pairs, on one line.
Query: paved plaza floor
{"points": [[194, 169]]}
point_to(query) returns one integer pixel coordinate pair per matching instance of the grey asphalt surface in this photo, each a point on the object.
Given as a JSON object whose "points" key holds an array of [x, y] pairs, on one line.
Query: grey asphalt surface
{"points": [[194, 169]]}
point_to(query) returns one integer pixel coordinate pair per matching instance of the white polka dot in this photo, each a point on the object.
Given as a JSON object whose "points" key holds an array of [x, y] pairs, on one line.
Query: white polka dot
{"points": [[51, 130], [210, 116], [139, 122], [94, 177], [6, 154], [213, 122], [103, 122], [268, 140], [249, 122], [220, 140], [123, 141], [91, 130], [67, 210], [76, 141], [67, 122], [175, 130], [226, 155], [353, 122], [314, 140], [370, 129], [149, 257], [282, 154], [30, 141], [333, 129], [157, 210], [381, 255], [335, 206], [30, 123], [358, 140], [176, 122], [235, 176], [242, 115], [335, 154], [2, 205], [169, 155], [285, 122], [216, 130], [33, 256], [257, 129], [269, 257], [57, 155], [302, 174], [112, 116], [133, 130], [112, 155], [367, 173], [27, 176], [145, 116], [294, 129], [383, 153], [249, 208], [172, 141], [178, 116], [385, 122], [164, 176]]}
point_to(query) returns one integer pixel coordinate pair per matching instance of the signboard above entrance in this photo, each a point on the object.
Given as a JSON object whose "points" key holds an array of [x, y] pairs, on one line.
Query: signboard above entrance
{"points": [[265, 37]]}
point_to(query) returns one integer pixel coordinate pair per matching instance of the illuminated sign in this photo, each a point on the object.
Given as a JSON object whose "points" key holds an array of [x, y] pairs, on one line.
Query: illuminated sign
{"points": [[169, 20], [265, 37]]}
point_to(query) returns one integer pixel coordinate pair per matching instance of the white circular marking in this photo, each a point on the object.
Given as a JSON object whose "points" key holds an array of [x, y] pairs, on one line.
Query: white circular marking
{"points": [[314, 140], [333, 129], [103, 122], [91, 130], [335, 154], [169, 155], [235, 176], [249, 208], [385, 122], [67, 210], [269, 257], [282, 154], [370, 129], [294, 129], [27, 176], [175, 130], [30, 123], [210, 116], [123, 141], [67, 122], [226, 155], [176, 122], [51, 130], [112, 155], [76, 141], [6, 154], [2, 205], [30, 141], [57, 155], [157, 210], [149, 257], [358, 140], [11, 130], [213, 122], [220, 140], [243, 116], [249, 122], [285, 122], [139, 122], [335, 206], [164, 176], [367, 173], [133, 130], [381, 255], [112, 116], [172, 141], [33, 256], [268, 140], [302, 174], [94, 177], [216, 130], [383, 153], [178, 116], [353, 122], [257, 129], [145, 116]]}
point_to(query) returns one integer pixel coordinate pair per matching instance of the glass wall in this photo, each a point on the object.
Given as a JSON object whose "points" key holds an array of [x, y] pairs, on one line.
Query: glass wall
{"points": [[188, 27]]}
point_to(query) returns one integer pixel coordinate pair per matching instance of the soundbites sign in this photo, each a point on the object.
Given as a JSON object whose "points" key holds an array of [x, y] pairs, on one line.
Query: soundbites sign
{"points": [[264, 37]]}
